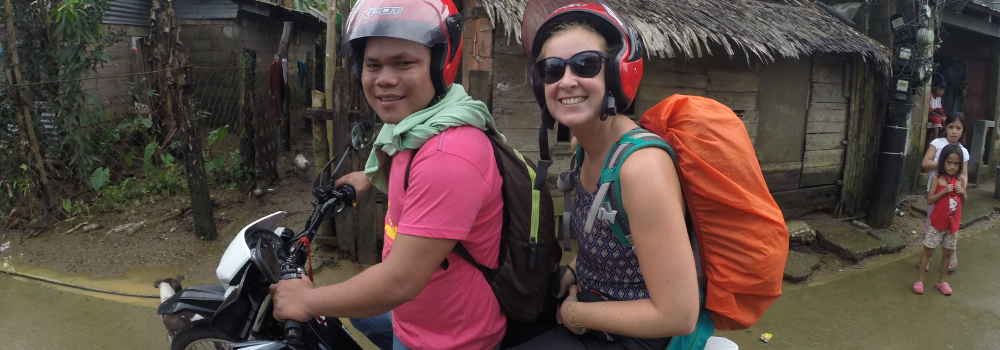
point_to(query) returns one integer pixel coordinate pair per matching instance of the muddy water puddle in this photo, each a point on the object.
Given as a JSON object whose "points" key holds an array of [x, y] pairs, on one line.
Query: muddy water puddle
{"points": [[875, 309], [36, 317]]}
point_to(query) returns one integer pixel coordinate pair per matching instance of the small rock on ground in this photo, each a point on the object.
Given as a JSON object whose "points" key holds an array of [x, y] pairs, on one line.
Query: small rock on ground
{"points": [[800, 232], [891, 241], [800, 266]]}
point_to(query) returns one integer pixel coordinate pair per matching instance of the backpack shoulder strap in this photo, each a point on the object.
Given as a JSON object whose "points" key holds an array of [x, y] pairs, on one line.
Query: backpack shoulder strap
{"points": [[500, 149], [409, 164], [607, 205], [459, 248]]}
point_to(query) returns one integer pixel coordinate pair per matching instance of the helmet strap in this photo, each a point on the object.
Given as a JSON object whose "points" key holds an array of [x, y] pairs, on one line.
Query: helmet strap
{"points": [[609, 106]]}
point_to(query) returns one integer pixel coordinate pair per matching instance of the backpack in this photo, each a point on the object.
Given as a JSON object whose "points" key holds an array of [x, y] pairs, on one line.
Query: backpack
{"points": [[529, 252], [738, 231]]}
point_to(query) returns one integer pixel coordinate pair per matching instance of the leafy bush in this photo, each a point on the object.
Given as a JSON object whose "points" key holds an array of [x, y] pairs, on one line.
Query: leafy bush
{"points": [[223, 167]]}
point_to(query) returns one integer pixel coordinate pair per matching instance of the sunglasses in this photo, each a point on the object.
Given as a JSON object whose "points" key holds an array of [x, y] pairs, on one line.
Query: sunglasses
{"points": [[585, 64]]}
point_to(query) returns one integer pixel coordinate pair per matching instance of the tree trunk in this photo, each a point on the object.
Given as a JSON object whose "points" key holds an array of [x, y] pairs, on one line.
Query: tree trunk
{"points": [[281, 103], [248, 62], [23, 108], [168, 58], [201, 198]]}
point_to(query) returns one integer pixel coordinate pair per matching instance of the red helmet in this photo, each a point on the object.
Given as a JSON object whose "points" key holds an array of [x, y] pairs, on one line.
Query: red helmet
{"points": [[625, 49], [432, 23]]}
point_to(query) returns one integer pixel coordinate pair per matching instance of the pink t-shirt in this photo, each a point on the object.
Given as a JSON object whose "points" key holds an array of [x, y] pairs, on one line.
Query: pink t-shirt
{"points": [[454, 193]]}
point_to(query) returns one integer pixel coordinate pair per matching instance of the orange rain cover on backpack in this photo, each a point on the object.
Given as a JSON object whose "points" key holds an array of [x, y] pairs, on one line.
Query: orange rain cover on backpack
{"points": [[739, 227]]}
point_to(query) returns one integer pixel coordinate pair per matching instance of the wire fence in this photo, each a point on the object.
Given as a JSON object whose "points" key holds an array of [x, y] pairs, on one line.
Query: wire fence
{"points": [[115, 122]]}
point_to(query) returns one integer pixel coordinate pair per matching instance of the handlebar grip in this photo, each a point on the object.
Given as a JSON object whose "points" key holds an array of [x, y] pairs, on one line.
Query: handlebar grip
{"points": [[293, 329], [350, 193]]}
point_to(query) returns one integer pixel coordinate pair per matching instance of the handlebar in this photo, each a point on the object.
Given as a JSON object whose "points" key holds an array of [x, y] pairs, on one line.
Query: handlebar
{"points": [[327, 198]]}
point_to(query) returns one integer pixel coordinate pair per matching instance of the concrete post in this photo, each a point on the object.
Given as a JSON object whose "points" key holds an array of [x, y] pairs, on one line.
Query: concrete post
{"points": [[979, 132], [995, 94]]}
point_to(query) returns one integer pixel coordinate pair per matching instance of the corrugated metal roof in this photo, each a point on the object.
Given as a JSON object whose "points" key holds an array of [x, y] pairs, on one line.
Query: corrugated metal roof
{"points": [[991, 4], [136, 12], [131, 12], [206, 9]]}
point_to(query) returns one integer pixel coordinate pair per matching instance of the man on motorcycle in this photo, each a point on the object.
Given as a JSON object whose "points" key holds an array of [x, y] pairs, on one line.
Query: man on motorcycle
{"points": [[443, 187]]}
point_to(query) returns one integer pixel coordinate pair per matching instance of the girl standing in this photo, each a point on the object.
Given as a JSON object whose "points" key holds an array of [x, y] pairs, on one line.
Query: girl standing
{"points": [[947, 198], [954, 128]]}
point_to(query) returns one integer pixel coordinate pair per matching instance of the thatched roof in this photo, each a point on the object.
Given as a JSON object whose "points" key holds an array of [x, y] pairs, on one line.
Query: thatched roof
{"points": [[692, 28]]}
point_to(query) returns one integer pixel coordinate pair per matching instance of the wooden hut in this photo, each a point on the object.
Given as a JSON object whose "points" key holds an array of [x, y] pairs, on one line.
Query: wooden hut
{"points": [[787, 68]]}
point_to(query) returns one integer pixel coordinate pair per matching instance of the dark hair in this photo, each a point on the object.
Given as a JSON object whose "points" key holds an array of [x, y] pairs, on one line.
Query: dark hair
{"points": [[947, 151], [955, 117]]}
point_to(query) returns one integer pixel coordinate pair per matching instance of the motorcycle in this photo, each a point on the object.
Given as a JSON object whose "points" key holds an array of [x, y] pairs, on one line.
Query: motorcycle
{"points": [[237, 313]]}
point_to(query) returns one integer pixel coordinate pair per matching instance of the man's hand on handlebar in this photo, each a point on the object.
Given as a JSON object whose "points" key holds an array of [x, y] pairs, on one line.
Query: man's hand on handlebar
{"points": [[358, 179], [289, 299]]}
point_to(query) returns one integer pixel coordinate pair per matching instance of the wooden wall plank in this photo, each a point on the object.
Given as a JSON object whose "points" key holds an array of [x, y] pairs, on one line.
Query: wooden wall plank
{"points": [[751, 116], [732, 81], [776, 167], [744, 101], [751, 131], [828, 93], [825, 127], [680, 65], [526, 139], [649, 97], [782, 107], [828, 73], [827, 112], [819, 142], [827, 175], [669, 77], [666, 78], [825, 158], [513, 100], [799, 202], [528, 116], [782, 176], [782, 180], [752, 123]]}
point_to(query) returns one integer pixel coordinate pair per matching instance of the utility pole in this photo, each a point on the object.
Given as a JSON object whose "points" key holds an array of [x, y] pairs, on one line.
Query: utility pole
{"points": [[913, 52]]}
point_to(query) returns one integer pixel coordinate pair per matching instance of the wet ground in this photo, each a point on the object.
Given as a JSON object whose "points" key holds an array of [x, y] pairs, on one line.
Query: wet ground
{"points": [[865, 306], [873, 308], [38, 317], [869, 308]]}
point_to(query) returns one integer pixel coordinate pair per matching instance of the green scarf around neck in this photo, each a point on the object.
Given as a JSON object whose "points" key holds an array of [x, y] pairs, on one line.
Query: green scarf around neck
{"points": [[456, 108]]}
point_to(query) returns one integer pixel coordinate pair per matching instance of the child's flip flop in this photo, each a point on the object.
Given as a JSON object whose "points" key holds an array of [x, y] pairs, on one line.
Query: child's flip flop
{"points": [[944, 288], [918, 287]]}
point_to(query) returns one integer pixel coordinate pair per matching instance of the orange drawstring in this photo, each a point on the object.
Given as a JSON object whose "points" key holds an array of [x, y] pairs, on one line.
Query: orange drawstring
{"points": [[309, 266]]}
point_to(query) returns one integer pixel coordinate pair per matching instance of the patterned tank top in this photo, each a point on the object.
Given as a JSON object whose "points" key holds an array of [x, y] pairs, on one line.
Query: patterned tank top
{"points": [[602, 264]]}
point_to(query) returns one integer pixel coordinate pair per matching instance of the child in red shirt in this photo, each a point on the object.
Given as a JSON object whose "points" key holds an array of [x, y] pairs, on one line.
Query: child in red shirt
{"points": [[947, 197]]}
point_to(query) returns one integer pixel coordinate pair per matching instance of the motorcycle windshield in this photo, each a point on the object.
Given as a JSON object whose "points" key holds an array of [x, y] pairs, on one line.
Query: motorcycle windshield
{"points": [[238, 252]]}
